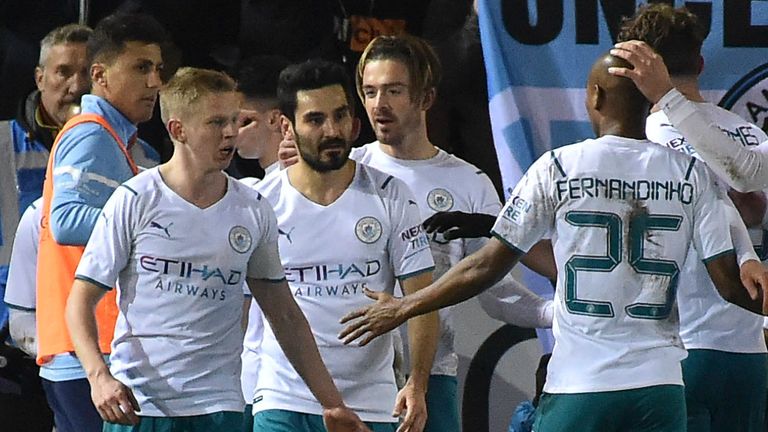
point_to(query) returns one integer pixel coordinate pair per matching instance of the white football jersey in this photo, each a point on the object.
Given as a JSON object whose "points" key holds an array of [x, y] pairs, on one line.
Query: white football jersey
{"points": [[369, 237], [706, 320], [20, 292], [441, 183], [621, 214], [180, 271]]}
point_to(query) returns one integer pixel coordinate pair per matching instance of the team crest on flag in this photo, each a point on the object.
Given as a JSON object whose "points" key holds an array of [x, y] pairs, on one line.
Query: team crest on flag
{"points": [[440, 200], [368, 229], [240, 239]]}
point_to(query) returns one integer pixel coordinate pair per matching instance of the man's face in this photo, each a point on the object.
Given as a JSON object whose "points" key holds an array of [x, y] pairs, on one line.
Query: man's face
{"points": [[62, 80], [324, 127], [256, 129], [132, 81], [387, 100], [210, 130]]}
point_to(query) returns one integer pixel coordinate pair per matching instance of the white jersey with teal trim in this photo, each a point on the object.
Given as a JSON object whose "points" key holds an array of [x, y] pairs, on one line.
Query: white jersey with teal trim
{"points": [[706, 320], [20, 293], [369, 237], [440, 183], [621, 214], [180, 271]]}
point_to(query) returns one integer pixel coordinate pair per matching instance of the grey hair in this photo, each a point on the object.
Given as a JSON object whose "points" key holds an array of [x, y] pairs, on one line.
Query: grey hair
{"points": [[70, 33]]}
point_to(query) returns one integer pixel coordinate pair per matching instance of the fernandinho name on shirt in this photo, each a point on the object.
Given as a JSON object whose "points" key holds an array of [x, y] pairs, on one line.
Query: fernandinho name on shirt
{"points": [[331, 279], [191, 279], [620, 189]]}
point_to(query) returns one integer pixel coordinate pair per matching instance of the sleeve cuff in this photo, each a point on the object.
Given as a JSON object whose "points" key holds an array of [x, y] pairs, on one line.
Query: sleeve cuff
{"points": [[93, 281]]}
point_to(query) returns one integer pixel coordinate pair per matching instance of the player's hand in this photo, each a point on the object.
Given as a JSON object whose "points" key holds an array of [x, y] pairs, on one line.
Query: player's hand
{"points": [[342, 419], [649, 71], [287, 152], [413, 402], [374, 320], [754, 277], [456, 224], [114, 400], [248, 123]]}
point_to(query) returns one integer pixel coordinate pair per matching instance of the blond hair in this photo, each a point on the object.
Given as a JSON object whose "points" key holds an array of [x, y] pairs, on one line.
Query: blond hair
{"points": [[187, 86]]}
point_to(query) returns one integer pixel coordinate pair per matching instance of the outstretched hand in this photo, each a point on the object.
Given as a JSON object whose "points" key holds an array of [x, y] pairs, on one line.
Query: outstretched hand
{"points": [[456, 224], [372, 321], [648, 72]]}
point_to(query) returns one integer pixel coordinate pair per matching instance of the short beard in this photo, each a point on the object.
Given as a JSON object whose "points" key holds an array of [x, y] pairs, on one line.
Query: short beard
{"points": [[335, 163]]}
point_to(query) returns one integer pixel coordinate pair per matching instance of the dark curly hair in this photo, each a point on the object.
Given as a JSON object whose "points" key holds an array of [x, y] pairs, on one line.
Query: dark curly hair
{"points": [[675, 33]]}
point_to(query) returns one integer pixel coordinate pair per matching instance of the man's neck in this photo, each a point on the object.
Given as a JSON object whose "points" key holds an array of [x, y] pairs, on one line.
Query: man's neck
{"points": [[633, 130], [323, 188], [688, 86], [269, 156], [200, 188]]}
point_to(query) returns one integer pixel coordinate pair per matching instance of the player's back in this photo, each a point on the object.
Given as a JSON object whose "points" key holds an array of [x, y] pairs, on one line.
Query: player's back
{"points": [[623, 213]]}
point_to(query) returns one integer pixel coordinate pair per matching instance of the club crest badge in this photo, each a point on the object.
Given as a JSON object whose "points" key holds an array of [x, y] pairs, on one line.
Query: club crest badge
{"points": [[368, 229], [240, 239], [749, 97], [440, 200]]}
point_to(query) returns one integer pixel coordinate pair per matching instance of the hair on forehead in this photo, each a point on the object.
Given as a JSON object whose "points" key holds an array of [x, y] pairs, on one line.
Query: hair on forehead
{"points": [[424, 69], [70, 33], [114, 31], [185, 89], [310, 75]]}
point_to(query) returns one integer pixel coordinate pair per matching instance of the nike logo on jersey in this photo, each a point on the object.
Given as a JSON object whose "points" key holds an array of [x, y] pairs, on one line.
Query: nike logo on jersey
{"points": [[286, 234], [164, 229]]}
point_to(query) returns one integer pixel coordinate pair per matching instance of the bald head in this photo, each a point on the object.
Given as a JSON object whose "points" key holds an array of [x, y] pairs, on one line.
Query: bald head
{"points": [[611, 98]]}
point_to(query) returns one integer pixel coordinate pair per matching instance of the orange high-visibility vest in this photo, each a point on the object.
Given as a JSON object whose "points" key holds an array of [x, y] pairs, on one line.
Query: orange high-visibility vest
{"points": [[56, 265]]}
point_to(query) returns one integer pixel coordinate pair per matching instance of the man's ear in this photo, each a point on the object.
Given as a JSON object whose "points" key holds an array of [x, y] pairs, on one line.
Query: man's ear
{"points": [[596, 98], [429, 99], [39, 77], [273, 119], [286, 128], [98, 75], [176, 130]]}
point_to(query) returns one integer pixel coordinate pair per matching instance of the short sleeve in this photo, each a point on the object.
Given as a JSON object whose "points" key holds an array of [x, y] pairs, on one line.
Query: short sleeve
{"points": [[264, 262], [528, 215], [20, 292], [711, 238], [112, 240], [408, 244]]}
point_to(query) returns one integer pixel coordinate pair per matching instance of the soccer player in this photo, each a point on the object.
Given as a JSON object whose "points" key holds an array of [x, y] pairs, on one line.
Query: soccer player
{"points": [[397, 79], [726, 370], [622, 213], [743, 167], [344, 227], [180, 239], [89, 159], [259, 136]]}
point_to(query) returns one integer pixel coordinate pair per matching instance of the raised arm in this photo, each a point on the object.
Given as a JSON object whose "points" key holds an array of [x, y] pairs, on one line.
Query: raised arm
{"points": [[743, 168]]}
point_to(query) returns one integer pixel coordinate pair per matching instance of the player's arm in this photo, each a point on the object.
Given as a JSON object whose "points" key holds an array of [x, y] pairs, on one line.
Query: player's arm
{"points": [[83, 180], [297, 342], [751, 206], [511, 302], [113, 400], [724, 272], [423, 332], [465, 280], [744, 168]]}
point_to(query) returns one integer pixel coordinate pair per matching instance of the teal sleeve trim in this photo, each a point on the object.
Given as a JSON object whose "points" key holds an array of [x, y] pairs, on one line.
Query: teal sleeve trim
{"points": [[95, 282]]}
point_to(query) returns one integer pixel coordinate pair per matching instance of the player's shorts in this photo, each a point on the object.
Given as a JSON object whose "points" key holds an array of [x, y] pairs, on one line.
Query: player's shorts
{"points": [[247, 418], [290, 421], [725, 391], [652, 409], [223, 421], [442, 404]]}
